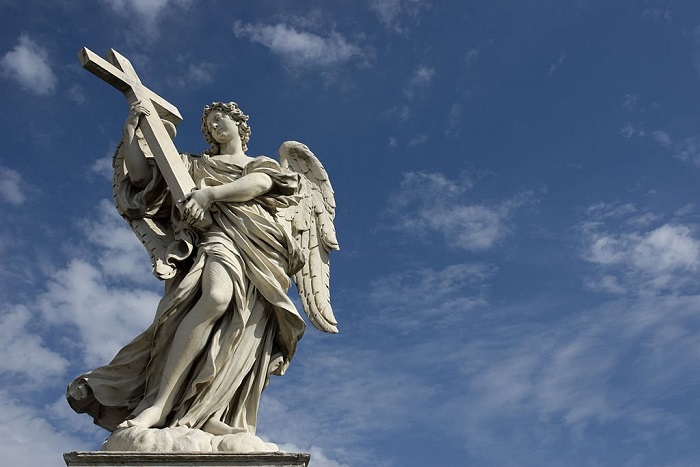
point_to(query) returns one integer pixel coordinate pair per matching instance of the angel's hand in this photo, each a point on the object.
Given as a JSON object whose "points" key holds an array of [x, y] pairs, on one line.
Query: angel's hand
{"points": [[136, 111], [197, 204]]}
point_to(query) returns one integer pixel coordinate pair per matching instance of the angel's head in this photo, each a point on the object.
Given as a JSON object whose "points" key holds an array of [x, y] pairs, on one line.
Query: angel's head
{"points": [[232, 110]]}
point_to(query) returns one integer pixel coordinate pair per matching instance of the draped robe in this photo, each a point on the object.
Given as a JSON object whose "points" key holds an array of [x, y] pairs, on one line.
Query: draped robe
{"points": [[229, 375]]}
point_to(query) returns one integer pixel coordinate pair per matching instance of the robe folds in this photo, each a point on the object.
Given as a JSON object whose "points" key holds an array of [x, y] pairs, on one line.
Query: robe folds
{"points": [[227, 378]]}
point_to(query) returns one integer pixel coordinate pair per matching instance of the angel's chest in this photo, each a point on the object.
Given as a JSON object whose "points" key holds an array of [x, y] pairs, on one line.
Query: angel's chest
{"points": [[205, 178]]}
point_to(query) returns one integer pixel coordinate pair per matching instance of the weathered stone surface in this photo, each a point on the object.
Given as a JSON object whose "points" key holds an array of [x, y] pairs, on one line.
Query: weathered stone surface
{"points": [[228, 232], [175, 459], [183, 439]]}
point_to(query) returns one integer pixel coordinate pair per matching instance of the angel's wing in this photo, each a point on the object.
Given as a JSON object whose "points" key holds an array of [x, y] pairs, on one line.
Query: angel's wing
{"points": [[310, 223], [155, 235]]}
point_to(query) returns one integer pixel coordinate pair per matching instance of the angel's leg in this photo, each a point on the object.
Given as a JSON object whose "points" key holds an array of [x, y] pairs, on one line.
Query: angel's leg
{"points": [[189, 340]]}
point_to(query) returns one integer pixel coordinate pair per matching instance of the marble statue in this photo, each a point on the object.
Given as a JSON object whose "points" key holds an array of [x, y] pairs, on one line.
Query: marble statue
{"points": [[226, 250]]}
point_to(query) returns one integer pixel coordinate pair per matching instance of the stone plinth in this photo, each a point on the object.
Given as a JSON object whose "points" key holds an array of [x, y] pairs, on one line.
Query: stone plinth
{"points": [[184, 459]]}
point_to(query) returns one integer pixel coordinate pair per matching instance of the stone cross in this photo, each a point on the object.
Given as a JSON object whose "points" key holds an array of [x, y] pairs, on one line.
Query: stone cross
{"points": [[118, 72]]}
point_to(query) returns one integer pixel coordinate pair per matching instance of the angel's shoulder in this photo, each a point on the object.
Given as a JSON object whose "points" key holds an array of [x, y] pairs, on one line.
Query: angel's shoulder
{"points": [[262, 163]]}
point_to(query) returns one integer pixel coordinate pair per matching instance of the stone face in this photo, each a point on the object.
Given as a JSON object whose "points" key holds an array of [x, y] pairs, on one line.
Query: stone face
{"points": [[121, 459]]}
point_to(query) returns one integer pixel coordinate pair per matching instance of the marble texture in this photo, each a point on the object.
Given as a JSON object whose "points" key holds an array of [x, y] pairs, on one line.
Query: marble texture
{"points": [[227, 233]]}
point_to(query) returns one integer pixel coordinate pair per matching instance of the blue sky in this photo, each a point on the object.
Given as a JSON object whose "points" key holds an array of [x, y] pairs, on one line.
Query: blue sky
{"points": [[517, 187]]}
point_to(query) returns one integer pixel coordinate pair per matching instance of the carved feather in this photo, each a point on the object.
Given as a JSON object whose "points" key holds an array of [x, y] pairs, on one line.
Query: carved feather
{"points": [[311, 225]]}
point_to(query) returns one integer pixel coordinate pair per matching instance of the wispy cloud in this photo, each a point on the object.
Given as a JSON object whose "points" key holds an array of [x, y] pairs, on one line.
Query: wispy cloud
{"points": [[397, 15], [300, 49], [684, 149], [421, 297], [658, 14], [145, 11], [432, 203], [338, 395], [610, 369], [28, 64], [26, 358], [194, 73], [11, 187], [420, 79], [556, 65], [630, 130], [419, 140]]}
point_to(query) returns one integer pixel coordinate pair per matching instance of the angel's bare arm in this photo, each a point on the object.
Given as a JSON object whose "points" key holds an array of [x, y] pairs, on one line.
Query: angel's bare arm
{"points": [[139, 169], [244, 189]]}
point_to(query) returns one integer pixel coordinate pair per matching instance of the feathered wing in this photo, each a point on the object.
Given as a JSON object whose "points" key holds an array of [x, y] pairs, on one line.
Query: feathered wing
{"points": [[155, 235], [310, 223]]}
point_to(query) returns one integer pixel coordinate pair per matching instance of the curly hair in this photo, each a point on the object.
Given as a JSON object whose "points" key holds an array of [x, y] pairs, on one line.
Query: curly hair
{"points": [[236, 114]]}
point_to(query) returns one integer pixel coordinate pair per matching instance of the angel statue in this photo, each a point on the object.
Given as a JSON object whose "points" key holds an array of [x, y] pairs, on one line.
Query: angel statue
{"points": [[225, 323]]}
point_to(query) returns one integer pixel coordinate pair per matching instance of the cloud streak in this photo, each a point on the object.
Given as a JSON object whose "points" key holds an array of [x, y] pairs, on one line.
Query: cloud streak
{"points": [[395, 14], [432, 203], [611, 369], [11, 187]]}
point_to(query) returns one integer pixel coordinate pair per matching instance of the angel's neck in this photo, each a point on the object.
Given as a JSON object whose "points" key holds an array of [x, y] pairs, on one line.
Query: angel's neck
{"points": [[238, 157]]}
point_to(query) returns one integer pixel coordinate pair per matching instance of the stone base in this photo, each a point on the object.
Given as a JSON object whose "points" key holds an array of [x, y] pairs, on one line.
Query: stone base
{"points": [[184, 459], [183, 439]]}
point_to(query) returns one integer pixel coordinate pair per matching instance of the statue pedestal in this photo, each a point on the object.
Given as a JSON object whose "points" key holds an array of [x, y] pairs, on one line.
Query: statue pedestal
{"points": [[184, 459]]}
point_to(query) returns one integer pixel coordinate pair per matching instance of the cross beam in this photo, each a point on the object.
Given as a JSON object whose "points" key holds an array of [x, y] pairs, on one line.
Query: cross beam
{"points": [[119, 72]]}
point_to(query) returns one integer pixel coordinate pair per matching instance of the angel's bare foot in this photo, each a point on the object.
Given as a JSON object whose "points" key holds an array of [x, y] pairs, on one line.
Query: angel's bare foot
{"points": [[219, 428], [149, 418]]}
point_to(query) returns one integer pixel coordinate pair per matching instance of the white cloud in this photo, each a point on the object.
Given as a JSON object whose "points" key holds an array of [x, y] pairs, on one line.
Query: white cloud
{"points": [[300, 49], [146, 11], [420, 79], [11, 186], [430, 202], [638, 258], [28, 439], [26, 359], [394, 14], [419, 140], [109, 302], [28, 64], [630, 130], [685, 149]]}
